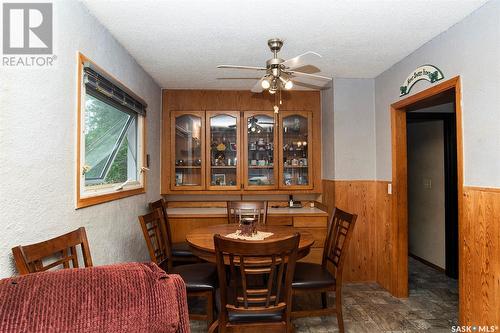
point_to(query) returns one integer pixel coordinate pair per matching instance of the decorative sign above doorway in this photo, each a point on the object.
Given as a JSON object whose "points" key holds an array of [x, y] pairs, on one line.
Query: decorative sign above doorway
{"points": [[426, 72]]}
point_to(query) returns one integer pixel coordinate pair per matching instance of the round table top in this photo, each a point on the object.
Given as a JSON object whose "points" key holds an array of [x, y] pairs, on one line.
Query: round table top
{"points": [[202, 239]]}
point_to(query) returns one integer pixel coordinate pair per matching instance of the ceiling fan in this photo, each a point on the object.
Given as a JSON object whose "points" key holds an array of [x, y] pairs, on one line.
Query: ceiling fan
{"points": [[281, 74]]}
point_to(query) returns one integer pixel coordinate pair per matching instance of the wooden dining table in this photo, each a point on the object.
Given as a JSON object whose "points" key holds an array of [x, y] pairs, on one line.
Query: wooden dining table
{"points": [[201, 240]]}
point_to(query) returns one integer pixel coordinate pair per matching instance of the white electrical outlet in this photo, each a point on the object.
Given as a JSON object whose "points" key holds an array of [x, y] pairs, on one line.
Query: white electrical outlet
{"points": [[389, 188]]}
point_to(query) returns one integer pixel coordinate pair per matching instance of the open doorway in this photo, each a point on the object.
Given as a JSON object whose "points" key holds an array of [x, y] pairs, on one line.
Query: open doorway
{"points": [[399, 199], [432, 182]]}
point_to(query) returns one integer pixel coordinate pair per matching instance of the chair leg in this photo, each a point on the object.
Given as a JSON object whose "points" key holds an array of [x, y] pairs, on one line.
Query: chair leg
{"points": [[338, 305], [210, 308], [324, 299], [213, 327]]}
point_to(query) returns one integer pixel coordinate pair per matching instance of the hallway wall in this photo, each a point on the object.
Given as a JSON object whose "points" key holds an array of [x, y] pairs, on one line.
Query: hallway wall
{"points": [[471, 50], [426, 195]]}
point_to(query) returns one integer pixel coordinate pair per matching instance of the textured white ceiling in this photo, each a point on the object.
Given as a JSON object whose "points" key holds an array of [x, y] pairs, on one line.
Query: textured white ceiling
{"points": [[180, 42]]}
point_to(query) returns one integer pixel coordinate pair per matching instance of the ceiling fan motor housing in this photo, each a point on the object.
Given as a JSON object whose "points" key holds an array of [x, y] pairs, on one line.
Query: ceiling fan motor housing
{"points": [[275, 44]]}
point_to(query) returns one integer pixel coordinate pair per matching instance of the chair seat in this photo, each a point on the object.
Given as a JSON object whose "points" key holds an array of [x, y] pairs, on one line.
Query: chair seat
{"points": [[182, 250], [198, 277], [309, 275], [238, 317]]}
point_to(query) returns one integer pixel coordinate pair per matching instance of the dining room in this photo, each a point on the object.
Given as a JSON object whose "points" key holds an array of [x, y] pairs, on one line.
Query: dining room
{"points": [[192, 166]]}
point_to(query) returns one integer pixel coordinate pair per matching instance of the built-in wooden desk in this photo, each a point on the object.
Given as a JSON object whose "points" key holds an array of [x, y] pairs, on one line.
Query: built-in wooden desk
{"points": [[313, 220]]}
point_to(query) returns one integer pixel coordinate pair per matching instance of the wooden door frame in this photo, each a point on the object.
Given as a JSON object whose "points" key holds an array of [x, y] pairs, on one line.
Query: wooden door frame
{"points": [[399, 220]]}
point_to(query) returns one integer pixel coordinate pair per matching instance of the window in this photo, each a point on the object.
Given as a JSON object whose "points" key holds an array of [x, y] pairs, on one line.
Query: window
{"points": [[111, 138]]}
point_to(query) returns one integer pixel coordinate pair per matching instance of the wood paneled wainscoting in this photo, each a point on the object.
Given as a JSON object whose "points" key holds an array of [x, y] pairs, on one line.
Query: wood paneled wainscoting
{"points": [[357, 197], [479, 288], [372, 251], [369, 257]]}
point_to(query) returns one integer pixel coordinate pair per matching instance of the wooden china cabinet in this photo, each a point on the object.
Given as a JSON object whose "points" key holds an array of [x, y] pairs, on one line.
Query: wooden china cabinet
{"points": [[241, 151], [260, 140], [223, 150], [187, 139], [295, 146]]}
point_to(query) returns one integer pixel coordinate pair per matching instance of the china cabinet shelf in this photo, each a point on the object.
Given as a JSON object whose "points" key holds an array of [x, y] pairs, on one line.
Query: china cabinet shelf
{"points": [[187, 167], [223, 167], [260, 167], [215, 141]]}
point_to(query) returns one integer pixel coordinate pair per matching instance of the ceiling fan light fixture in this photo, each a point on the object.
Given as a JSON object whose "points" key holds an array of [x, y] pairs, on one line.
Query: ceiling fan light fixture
{"points": [[265, 84], [287, 84]]}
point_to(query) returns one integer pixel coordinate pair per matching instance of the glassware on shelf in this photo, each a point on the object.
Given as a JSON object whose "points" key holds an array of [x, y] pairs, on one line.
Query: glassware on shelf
{"points": [[295, 150], [223, 152], [260, 150], [187, 151]]}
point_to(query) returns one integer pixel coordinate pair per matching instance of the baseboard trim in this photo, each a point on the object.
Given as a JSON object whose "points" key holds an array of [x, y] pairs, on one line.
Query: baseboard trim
{"points": [[425, 262]]}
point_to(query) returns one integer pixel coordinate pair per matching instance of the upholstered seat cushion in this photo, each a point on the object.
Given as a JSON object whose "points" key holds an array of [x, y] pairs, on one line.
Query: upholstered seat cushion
{"points": [[309, 275], [238, 317], [198, 277], [181, 250]]}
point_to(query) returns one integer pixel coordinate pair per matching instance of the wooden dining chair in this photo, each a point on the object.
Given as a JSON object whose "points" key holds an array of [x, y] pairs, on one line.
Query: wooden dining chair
{"points": [[181, 252], [255, 290], [200, 279], [58, 251], [327, 277], [253, 209]]}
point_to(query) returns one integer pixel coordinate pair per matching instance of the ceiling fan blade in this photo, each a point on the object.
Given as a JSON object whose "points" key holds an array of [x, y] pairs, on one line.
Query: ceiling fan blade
{"points": [[243, 67], [312, 76], [301, 60], [312, 85], [257, 88]]}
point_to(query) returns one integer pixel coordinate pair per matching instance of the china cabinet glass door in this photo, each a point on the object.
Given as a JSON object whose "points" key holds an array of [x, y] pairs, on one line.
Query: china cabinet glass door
{"points": [[187, 147], [223, 131], [260, 163], [296, 142]]}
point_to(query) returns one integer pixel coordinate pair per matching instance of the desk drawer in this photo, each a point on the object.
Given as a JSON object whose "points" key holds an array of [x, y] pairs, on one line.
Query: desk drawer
{"points": [[279, 220], [309, 221]]}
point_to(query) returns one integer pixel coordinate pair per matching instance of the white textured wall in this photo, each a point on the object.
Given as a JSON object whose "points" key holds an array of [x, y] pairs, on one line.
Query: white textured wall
{"points": [[37, 146], [327, 138], [426, 210], [354, 131], [470, 49]]}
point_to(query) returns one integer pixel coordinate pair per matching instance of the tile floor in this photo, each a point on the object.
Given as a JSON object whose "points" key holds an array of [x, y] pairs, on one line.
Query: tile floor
{"points": [[432, 307]]}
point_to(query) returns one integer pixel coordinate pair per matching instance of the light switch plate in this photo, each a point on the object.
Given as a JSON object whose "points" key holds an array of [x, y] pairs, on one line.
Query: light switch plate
{"points": [[389, 188]]}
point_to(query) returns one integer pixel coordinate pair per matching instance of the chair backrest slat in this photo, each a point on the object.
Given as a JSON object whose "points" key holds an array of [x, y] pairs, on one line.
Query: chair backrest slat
{"points": [[162, 205], [155, 234], [259, 277], [58, 251], [241, 209], [339, 235]]}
